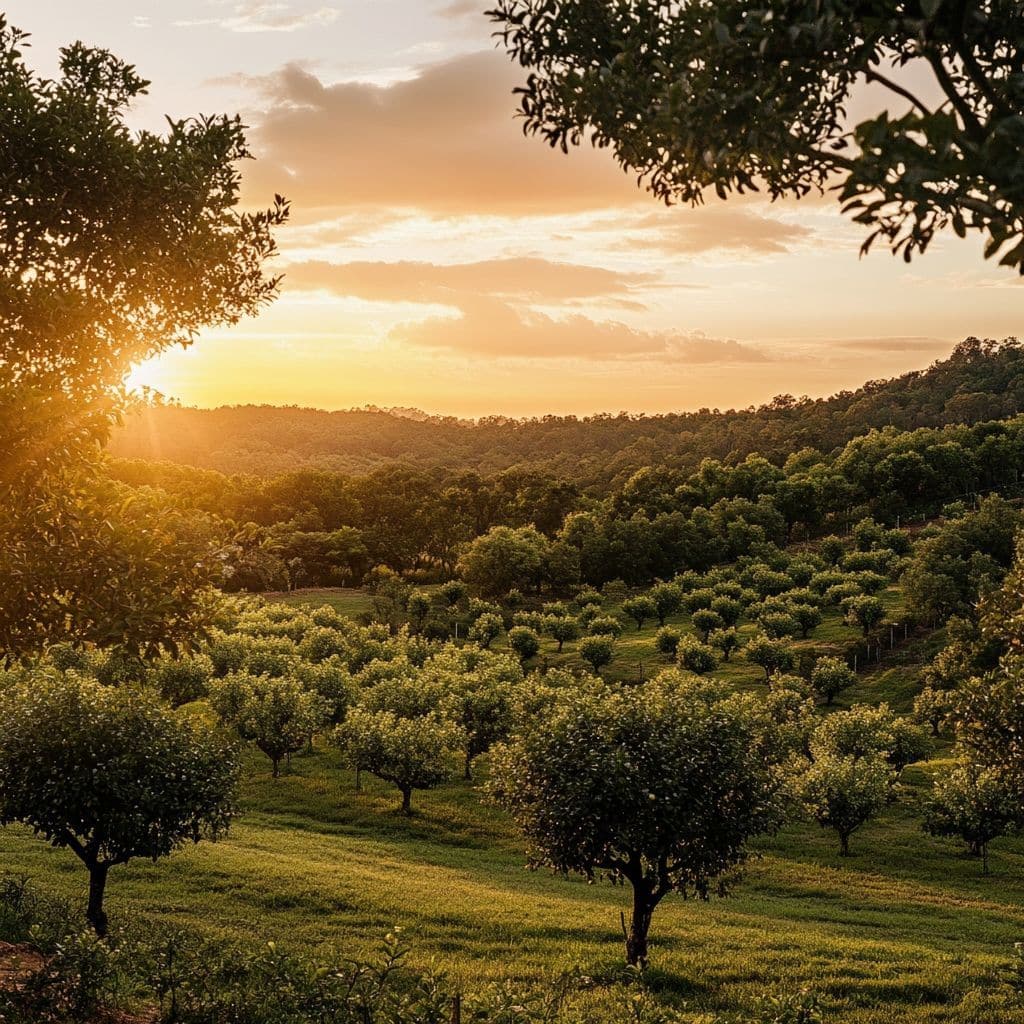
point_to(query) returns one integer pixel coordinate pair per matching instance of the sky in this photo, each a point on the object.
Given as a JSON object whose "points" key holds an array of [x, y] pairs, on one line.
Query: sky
{"points": [[438, 259]]}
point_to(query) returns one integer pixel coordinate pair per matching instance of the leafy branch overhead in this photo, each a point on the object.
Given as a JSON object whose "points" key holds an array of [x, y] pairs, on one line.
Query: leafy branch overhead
{"points": [[737, 97]]}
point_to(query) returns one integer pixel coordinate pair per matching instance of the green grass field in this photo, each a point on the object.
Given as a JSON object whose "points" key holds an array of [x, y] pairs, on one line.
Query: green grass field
{"points": [[906, 929]]}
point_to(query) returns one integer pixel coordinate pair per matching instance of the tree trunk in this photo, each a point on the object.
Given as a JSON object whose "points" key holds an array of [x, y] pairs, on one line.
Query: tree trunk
{"points": [[984, 858], [276, 770], [844, 844], [406, 801], [467, 773], [639, 925], [97, 886]]}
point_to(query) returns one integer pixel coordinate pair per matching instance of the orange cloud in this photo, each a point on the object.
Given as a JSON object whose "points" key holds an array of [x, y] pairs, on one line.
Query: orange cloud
{"points": [[529, 279], [490, 327], [445, 141]]}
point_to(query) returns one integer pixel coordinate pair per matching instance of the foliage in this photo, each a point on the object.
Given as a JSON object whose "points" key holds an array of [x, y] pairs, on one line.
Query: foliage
{"points": [[411, 753], [830, 677], [597, 651], [975, 805], [114, 249], [279, 715], [771, 655], [659, 785], [110, 774], [842, 792]]}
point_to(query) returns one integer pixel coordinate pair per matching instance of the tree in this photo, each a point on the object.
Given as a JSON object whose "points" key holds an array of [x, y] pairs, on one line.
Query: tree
{"points": [[667, 641], [418, 607], [932, 707], [975, 805], [659, 785], [561, 628], [807, 618], [640, 609], [726, 640], [771, 655], [695, 656], [480, 704], [830, 676], [866, 612], [667, 598], [112, 252], [705, 621], [605, 625], [411, 753], [278, 714], [486, 629], [597, 651], [110, 773], [678, 93], [505, 559], [524, 641], [842, 793]]}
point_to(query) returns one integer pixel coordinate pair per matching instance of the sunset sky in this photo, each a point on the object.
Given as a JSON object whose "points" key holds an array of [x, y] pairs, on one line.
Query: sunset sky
{"points": [[438, 259]]}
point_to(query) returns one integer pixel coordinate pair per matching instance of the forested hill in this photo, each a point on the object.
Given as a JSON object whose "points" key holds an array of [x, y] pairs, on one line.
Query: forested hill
{"points": [[981, 380]]}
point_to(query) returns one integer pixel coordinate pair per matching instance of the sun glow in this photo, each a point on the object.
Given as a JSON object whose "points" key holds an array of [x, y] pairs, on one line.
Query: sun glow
{"points": [[148, 374]]}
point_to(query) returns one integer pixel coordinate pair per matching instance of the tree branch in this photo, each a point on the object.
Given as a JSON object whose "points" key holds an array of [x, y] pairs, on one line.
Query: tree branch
{"points": [[874, 76]]}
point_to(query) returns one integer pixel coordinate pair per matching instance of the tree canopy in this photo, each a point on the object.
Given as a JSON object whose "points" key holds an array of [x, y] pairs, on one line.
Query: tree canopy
{"points": [[734, 97]]}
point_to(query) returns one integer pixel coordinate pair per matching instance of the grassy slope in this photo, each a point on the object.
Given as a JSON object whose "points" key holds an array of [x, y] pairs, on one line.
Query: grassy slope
{"points": [[907, 929]]}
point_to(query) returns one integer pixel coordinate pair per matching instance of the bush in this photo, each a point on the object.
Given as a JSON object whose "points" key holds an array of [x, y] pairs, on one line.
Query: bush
{"points": [[524, 641], [667, 641]]}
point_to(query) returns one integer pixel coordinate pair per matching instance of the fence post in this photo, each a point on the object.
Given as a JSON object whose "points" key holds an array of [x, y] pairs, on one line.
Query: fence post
{"points": [[457, 1008]]}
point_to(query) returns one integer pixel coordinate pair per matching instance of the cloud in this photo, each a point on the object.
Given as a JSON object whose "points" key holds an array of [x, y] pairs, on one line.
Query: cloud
{"points": [[261, 16], [918, 344], [492, 328], [704, 229], [528, 279], [444, 141], [462, 9]]}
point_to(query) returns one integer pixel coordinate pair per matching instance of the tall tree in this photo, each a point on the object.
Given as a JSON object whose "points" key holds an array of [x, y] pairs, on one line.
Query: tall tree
{"points": [[659, 785], [114, 246]]}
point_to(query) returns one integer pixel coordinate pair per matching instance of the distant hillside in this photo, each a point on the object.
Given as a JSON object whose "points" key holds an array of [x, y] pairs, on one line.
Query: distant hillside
{"points": [[981, 380]]}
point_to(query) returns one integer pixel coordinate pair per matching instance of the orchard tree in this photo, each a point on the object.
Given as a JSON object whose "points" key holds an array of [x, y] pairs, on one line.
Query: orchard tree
{"points": [[480, 704], [725, 640], [807, 618], [842, 793], [110, 774], [705, 621], [667, 598], [116, 245], [524, 641], [866, 612], [695, 656], [486, 629], [725, 97], [830, 677], [973, 804], [597, 651], [667, 640], [561, 628], [278, 714], [771, 655], [660, 785], [640, 609], [410, 753], [932, 707]]}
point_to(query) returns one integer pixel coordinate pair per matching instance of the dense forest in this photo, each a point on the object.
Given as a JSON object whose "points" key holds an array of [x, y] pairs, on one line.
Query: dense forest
{"points": [[981, 380], [314, 527]]}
